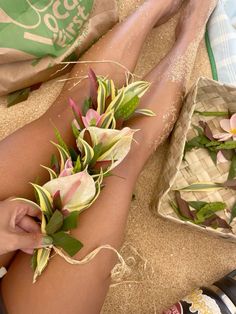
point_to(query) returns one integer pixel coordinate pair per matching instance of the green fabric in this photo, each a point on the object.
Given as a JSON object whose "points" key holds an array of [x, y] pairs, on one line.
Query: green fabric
{"points": [[211, 57]]}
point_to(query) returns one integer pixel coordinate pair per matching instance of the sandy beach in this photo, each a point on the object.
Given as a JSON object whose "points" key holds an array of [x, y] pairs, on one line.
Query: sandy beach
{"points": [[167, 260]]}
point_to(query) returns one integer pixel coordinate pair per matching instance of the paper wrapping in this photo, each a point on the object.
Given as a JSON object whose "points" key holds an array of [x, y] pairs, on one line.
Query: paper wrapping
{"points": [[34, 52]]}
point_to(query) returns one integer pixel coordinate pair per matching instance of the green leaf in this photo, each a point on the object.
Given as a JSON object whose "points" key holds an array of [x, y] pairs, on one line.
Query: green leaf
{"points": [[101, 98], [86, 106], [42, 261], [197, 142], [71, 221], [70, 245], [197, 204], [107, 119], [138, 88], [127, 108], [73, 153], [57, 202], [60, 140], [34, 260], [51, 172], [233, 213], [55, 164], [145, 112], [177, 211], [55, 223], [64, 155], [87, 150], [75, 130], [212, 113], [227, 145], [18, 96], [208, 210], [45, 199], [98, 149], [198, 129], [116, 101], [183, 207], [202, 186], [232, 170], [213, 143], [213, 156], [78, 166]]}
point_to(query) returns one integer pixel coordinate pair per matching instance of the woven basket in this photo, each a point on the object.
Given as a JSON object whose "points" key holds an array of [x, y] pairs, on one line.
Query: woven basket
{"points": [[205, 95]]}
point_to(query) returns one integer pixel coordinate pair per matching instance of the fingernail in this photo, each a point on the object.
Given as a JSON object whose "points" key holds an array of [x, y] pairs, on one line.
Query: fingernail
{"points": [[47, 240]]}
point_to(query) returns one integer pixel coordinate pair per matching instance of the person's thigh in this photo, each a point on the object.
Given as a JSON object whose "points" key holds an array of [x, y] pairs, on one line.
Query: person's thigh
{"points": [[65, 288]]}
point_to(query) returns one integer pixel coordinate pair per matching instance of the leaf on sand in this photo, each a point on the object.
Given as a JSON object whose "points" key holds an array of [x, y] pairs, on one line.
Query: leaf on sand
{"points": [[18, 96], [70, 245]]}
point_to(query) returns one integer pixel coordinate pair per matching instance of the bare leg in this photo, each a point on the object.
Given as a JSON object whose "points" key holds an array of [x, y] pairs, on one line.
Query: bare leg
{"points": [[82, 289], [33, 140]]}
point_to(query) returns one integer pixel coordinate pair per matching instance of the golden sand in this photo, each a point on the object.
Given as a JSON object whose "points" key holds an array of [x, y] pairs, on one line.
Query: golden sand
{"points": [[178, 259]]}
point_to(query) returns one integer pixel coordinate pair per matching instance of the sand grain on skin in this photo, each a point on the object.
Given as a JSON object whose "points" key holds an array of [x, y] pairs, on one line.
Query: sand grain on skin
{"points": [[181, 258]]}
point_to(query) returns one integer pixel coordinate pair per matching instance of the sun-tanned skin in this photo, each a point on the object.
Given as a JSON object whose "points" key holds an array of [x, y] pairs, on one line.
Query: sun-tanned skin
{"points": [[64, 288]]}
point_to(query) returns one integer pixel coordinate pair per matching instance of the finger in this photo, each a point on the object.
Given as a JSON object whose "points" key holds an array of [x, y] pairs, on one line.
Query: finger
{"points": [[28, 251], [28, 224], [20, 241], [27, 207]]}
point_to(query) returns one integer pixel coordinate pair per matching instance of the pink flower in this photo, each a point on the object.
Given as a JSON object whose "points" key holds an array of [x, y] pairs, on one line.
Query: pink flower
{"points": [[221, 158], [228, 125], [68, 168], [92, 118]]}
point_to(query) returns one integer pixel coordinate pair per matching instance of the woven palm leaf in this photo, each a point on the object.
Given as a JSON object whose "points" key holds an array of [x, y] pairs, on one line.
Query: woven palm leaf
{"points": [[205, 95]]}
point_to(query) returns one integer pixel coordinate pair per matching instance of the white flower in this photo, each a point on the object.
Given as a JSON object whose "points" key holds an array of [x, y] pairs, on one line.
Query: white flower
{"points": [[77, 191], [116, 144]]}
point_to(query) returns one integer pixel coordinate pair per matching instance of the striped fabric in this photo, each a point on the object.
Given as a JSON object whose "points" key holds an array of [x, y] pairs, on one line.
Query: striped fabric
{"points": [[221, 41]]}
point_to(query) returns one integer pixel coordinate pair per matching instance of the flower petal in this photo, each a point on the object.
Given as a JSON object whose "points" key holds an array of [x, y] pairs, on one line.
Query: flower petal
{"points": [[233, 122], [222, 136], [76, 190], [93, 114], [225, 125], [221, 158], [116, 143]]}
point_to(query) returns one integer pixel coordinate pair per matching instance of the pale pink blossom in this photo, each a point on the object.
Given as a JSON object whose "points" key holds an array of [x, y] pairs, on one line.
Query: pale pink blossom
{"points": [[229, 126], [77, 191], [68, 168], [92, 118], [221, 158]]}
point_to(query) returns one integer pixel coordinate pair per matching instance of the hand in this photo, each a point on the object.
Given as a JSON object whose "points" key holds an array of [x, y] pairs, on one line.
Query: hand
{"points": [[18, 229]]}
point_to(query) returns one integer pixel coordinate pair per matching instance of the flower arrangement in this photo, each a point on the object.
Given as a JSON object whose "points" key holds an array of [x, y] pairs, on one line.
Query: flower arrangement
{"points": [[221, 147], [76, 179]]}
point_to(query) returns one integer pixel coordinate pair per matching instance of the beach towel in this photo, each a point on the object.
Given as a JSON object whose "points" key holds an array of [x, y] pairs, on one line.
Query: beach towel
{"points": [[221, 41]]}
